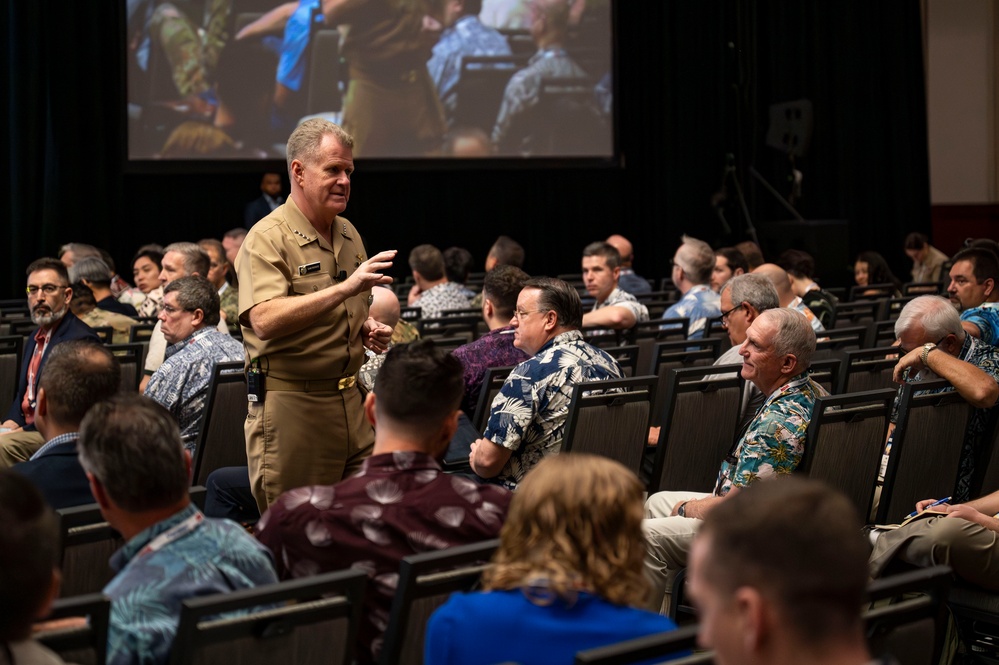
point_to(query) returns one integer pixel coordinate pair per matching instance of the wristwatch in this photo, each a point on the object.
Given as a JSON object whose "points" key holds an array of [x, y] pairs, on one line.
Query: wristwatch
{"points": [[929, 346], [682, 510]]}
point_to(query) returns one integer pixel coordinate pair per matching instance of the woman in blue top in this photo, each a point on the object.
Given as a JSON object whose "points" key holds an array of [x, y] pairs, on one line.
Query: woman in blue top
{"points": [[568, 574]]}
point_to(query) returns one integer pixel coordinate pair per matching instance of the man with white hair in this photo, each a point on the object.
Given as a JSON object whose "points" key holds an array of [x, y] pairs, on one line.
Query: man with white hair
{"points": [[776, 356], [692, 266], [934, 345]]}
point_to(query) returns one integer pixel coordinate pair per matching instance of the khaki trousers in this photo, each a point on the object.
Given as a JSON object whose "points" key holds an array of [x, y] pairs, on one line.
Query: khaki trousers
{"points": [[19, 446], [667, 542], [295, 439]]}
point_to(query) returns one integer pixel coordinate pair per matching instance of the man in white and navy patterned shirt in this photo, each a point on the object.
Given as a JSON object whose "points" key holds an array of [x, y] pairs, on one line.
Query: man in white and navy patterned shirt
{"points": [[527, 419], [614, 308], [433, 293], [692, 266], [189, 316]]}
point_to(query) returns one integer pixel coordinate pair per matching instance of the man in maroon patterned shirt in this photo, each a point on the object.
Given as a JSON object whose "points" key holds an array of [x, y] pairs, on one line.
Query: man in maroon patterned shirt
{"points": [[400, 503], [494, 349]]}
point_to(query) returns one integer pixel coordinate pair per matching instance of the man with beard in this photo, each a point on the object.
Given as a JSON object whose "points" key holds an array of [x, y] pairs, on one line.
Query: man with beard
{"points": [[49, 294]]}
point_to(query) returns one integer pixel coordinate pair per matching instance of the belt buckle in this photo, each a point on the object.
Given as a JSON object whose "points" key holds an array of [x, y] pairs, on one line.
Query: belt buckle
{"points": [[346, 382]]}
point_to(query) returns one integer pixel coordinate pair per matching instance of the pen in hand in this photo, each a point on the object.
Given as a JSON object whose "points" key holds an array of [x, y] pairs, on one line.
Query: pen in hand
{"points": [[932, 505]]}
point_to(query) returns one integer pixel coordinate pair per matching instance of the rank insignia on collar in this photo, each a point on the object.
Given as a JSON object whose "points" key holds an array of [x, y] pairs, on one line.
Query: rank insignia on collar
{"points": [[360, 257]]}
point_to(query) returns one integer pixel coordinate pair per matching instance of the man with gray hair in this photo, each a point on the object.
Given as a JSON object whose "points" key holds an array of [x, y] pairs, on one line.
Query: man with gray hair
{"points": [[304, 290], [933, 344], [94, 273], [189, 318], [139, 473], [692, 266], [776, 356], [180, 259], [527, 419]]}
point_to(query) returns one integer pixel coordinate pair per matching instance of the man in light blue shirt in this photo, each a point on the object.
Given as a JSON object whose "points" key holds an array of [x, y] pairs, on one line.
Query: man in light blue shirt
{"points": [[692, 266]]}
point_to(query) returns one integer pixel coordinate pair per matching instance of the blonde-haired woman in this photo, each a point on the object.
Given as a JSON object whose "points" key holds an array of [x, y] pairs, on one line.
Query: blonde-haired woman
{"points": [[568, 574]]}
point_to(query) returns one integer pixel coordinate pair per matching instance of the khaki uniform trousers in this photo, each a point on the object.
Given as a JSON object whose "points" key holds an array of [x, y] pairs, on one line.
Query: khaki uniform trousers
{"points": [[19, 446], [298, 438]]}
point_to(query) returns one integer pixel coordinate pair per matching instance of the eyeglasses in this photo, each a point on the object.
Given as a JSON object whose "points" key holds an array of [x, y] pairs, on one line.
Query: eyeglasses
{"points": [[725, 315], [47, 289], [521, 313], [902, 350], [173, 310]]}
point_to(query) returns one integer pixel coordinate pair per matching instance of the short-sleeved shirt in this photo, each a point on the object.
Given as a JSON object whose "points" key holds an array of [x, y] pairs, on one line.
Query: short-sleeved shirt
{"points": [[201, 556], [121, 325], [698, 304], [822, 303], [229, 303], [291, 64], [494, 349], [986, 319], [283, 255], [621, 298], [435, 301], [181, 382], [528, 415], [398, 504], [632, 283], [775, 439]]}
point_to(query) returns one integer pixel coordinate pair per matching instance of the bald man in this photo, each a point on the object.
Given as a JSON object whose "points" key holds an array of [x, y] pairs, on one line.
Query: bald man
{"points": [[628, 280], [785, 292], [385, 309]]}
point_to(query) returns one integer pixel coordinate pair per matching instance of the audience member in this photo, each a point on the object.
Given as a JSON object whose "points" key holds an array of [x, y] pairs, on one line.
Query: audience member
{"points": [[513, 134], [494, 349], [778, 578], [782, 282], [505, 252], [776, 356], [84, 306], [959, 535], [72, 252], [188, 321], [433, 293], [95, 274], [120, 288], [78, 374], [527, 419], [467, 142], [458, 266], [29, 569], [871, 269], [180, 259], [567, 575], [231, 242], [139, 473], [146, 267], [384, 309], [800, 267], [973, 288], [693, 264], [729, 263], [743, 298], [49, 294], [752, 253], [932, 344], [463, 35], [400, 502], [927, 260], [628, 280], [218, 268], [269, 199], [614, 308]]}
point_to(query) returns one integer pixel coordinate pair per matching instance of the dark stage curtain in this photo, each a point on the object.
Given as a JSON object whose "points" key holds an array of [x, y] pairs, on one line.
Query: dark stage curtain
{"points": [[695, 81]]}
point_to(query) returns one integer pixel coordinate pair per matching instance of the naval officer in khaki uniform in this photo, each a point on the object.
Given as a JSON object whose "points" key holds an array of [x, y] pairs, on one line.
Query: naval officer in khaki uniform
{"points": [[304, 283]]}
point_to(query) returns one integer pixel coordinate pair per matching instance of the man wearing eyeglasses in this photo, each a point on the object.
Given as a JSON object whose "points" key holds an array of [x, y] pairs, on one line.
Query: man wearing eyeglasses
{"points": [[933, 344], [188, 319], [49, 294], [527, 419]]}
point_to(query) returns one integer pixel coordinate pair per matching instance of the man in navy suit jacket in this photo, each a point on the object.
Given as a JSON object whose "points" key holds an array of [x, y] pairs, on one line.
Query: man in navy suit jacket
{"points": [[49, 294], [270, 198], [77, 375]]}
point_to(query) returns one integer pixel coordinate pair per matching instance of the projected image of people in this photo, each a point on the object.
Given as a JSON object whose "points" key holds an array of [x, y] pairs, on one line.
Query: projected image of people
{"points": [[230, 79]]}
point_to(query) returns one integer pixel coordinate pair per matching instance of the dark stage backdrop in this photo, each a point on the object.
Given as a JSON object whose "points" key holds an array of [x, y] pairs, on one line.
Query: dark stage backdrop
{"points": [[695, 82]]}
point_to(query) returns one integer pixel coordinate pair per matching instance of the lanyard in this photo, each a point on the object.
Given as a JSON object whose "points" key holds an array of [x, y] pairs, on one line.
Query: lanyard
{"points": [[172, 534]]}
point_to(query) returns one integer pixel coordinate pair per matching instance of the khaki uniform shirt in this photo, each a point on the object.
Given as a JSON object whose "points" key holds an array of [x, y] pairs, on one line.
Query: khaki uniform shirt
{"points": [[283, 255]]}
